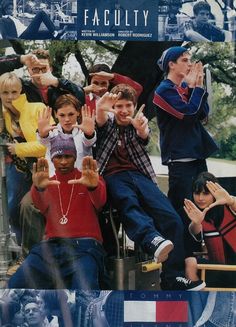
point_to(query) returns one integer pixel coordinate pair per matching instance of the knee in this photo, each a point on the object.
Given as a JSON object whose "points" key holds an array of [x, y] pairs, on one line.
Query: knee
{"points": [[26, 201]]}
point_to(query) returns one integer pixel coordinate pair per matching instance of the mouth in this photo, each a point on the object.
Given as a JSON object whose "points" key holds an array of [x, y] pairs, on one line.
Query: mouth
{"points": [[63, 169]]}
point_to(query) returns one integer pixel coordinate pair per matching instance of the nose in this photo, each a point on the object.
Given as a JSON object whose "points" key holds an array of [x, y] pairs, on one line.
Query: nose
{"points": [[63, 161]]}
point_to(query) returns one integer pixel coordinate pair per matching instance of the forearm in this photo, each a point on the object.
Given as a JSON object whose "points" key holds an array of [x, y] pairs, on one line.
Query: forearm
{"points": [[144, 134], [194, 228], [101, 117], [9, 63], [195, 36], [98, 195], [232, 203]]}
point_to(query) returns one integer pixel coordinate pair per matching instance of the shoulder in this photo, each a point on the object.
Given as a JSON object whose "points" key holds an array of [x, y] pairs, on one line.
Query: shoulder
{"points": [[166, 84]]}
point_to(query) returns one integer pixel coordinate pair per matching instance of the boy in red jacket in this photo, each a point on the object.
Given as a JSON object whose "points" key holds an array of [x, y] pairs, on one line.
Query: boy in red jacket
{"points": [[71, 256]]}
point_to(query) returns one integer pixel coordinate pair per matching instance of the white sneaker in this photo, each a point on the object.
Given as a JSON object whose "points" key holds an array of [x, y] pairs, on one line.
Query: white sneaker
{"points": [[162, 251]]}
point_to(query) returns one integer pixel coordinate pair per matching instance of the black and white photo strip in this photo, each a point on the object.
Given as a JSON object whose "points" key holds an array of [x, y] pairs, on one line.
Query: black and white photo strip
{"points": [[196, 21], [66, 308], [38, 20]]}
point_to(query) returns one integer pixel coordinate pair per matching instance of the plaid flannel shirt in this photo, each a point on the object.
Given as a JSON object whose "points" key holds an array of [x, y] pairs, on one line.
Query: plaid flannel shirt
{"points": [[107, 139]]}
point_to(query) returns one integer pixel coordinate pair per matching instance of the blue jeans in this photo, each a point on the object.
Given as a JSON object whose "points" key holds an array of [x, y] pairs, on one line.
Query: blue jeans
{"points": [[145, 213], [32, 31], [64, 263], [220, 311], [18, 184]]}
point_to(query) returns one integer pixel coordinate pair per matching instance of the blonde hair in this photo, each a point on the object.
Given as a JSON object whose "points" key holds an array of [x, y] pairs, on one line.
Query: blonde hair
{"points": [[9, 80]]}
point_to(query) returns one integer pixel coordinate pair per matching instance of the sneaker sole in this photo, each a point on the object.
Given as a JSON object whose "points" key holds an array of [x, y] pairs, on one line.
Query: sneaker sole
{"points": [[198, 288], [163, 250]]}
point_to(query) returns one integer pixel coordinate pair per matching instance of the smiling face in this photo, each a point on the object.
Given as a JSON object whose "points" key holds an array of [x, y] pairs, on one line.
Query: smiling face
{"points": [[124, 108], [67, 116]]}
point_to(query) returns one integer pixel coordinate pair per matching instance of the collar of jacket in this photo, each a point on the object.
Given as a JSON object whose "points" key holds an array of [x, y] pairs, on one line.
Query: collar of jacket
{"points": [[19, 102]]}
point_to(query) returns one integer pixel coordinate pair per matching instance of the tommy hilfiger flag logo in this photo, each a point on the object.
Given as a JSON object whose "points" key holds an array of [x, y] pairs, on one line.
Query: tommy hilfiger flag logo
{"points": [[163, 312]]}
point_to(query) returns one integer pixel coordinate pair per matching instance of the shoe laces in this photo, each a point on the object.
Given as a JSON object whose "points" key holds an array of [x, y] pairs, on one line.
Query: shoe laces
{"points": [[157, 240], [183, 280]]}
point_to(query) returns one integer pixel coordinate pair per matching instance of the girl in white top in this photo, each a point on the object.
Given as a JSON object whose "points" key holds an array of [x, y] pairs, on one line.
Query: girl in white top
{"points": [[72, 119]]}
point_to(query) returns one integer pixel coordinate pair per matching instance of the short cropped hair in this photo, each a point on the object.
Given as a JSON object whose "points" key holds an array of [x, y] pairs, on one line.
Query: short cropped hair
{"points": [[127, 92], [42, 54], [201, 5], [9, 80]]}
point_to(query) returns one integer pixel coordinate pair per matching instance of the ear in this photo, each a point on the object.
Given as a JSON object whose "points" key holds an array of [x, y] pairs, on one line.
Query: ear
{"points": [[171, 64]]}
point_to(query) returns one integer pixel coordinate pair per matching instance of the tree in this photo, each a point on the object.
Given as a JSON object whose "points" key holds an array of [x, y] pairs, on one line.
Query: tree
{"points": [[138, 61]]}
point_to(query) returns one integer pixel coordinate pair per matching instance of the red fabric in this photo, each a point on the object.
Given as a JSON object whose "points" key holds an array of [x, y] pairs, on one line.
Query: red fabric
{"points": [[44, 93], [119, 159], [82, 216], [172, 311], [120, 79], [215, 245], [160, 102], [91, 103]]}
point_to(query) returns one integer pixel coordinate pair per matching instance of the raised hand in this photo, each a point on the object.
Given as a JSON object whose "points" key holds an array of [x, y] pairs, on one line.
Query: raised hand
{"points": [[194, 214], [88, 121], [103, 75], [220, 194], [94, 88], [107, 101], [200, 74], [192, 77], [46, 79], [44, 126], [30, 60], [40, 174], [90, 176], [140, 123]]}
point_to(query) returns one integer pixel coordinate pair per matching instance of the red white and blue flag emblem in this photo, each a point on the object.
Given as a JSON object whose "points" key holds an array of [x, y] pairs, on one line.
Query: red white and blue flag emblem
{"points": [[163, 312]]}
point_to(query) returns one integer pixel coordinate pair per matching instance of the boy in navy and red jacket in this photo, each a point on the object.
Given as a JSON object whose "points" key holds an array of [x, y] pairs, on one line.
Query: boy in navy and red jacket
{"points": [[181, 107]]}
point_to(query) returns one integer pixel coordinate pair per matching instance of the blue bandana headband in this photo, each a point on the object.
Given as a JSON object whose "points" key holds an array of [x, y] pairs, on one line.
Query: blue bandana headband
{"points": [[171, 54]]}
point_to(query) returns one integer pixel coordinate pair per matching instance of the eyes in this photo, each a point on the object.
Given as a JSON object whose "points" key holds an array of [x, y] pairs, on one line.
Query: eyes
{"points": [[37, 70], [71, 114], [27, 311], [103, 84], [10, 92]]}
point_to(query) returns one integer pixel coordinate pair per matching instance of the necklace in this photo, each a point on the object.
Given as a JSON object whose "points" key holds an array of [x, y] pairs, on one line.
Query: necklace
{"points": [[63, 220]]}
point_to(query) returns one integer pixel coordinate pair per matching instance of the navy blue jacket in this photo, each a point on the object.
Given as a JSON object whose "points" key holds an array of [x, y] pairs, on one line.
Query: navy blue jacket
{"points": [[180, 111]]}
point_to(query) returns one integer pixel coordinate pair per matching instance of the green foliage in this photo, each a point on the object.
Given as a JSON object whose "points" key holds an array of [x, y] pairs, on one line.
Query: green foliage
{"points": [[228, 147]]}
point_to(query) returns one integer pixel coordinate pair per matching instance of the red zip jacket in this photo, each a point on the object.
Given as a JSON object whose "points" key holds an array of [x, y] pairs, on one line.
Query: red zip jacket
{"points": [[82, 211]]}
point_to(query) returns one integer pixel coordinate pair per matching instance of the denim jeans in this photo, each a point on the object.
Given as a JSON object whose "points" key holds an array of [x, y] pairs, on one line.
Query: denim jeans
{"points": [[64, 263], [18, 184], [32, 31], [145, 213], [212, 309]]}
